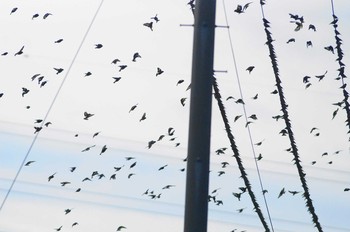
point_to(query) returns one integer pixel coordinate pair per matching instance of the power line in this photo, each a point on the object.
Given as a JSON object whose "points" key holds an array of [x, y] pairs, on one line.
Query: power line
{"points": [[50, 107]]}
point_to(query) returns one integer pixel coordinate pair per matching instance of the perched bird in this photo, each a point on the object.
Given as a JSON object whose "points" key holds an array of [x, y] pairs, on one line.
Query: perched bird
{"points": [[98, 46], [290, 40], [250, 69], [46, 15], [149, 25], [136, 55], [306, 79], [20, 52], [87, 115], [159, 71], [14, 10]]}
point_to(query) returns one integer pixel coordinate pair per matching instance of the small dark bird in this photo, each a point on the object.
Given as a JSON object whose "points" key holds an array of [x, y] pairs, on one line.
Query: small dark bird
{"points": [[58, 70], [86, 149], [160, 137], [229, 97], [24, 91], [306, 79], [162, 167], [259, 143], [116, 79], [86, 179], [346, 189], [159, 72], [51, 177], [13, 10], [237, 195], [312, 27], [59, 41], [37, 129], [20, 52], [171, 131], [335, 113], [75, 224], [220, 173], [112, 177], [104, 149], [129, 158], [95, 134], [98, 46], [120, 228], [240, 210], [29, 163], [182, 101], [72, 169], [4, 54], [88, 74], [250, 69], [224, 164], [59, 228], [115, 61], [133, 107], [299, 26], [87, 115], [290, 40], [118, 168], [130, 175], [329, 48], [293, 192], [241, 9], [240, 101], [255, 97], [313, 162], [320, 77], [122, 67], [78, 190], [168, 186], [282, 192], [155, 18], [67, 211], [47, 124], [308, 43], [136, 55], [46, 15], [132, 165], [43, 83], [259, 157], [274, 92], [179, 82], [253, 116], [150, 144], [35, 16], [313, 129], [149, 25], [64, 183], [143, 117]]}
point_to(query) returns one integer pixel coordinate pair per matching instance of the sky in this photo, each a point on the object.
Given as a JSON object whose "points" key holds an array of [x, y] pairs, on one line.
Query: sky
{"points": [[138, 198]]}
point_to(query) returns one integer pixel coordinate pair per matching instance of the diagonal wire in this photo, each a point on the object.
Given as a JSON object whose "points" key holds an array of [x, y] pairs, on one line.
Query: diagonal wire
{"points": [[50, 108], [246, 118]]}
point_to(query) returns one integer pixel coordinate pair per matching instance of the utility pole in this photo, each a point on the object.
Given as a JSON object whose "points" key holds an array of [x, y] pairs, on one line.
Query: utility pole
{"points": [[198, 153]]}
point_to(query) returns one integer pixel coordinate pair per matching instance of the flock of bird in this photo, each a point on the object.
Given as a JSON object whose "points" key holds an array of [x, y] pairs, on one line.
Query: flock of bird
{"points": [[128, 166]]}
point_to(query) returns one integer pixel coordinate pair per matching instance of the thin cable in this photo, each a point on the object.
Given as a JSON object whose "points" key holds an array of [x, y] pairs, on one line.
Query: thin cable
{"points": [[49, 110], [246, 117]]}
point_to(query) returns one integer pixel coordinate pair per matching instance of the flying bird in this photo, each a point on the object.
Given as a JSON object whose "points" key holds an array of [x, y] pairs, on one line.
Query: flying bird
{"points": [[87, 115], [122, 67], [320, 77], [143, 117], [24, 91], [46, 15], [20, 52], [14, 10], [29, 163], [58, 70], [86, 149], [182, 100], [282, 192], [150, 144], [35, 16], [115, 61], [88, 74], [64, 183], [308, 43], [312, 27], [132, 165], [293, 192], [159, 71], [155, 18], [133, 107], [250, 69], [103, 150], [290, 40], [135, 56], [241, 9], [179, 82], [59, 41], [329, 48], [149, 25], [162, 167], [98, 46], [59, 228], [120, 228], [51, 177], [335, 113], [116, 79], [95, 134]]}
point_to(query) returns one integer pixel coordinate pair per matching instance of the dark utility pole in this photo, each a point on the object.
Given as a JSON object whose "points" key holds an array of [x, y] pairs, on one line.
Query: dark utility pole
{"points": [[197, 180]]}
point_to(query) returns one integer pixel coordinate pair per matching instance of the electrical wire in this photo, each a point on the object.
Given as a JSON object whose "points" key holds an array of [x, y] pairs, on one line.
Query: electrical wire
{"points": [[50, 108], [246, 117]]}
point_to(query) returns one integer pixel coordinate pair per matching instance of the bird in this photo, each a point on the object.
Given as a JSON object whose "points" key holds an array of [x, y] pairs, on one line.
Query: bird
{"points": [[58, 70], [293, 192], [88, 74], [179, 82], [160, 137], [37, 129], [259, 143], [118, 168], [133, 107], [149, 25], [255, 96], [87, 115], [13, 10], [309, 43], [116, 79], [240, 210], [241, 9], [75, 224], [150, 144], [59, 228], [237, 195], [171, 131], [64, 183], [135, 56], [59, 41], [120, 228], [112, 177], [155, 18], [24, 91], [132, 165], [115, 61], [86, 179], [87, 149], [168, 186], [335, 113], [224, 164], [312, 27], [143, 117], [346, 189], [253, 116], [122, 67], [104, 149], [299, 26], [46, 15], [229, 97], [4, 54], [290, 40], [72, 169], [329, 48], [35, 16], [182, 101], [283, 191], [320, 77], [162, 167], [239, 101], [98, 46], [259, 157], [250, 69], [20, 52], [130, 175], [29, 163], [67, 211], [306, 79], [51, 177], [274, 92], [129, 158], [159, 71], [313, 129], [220, 173]]}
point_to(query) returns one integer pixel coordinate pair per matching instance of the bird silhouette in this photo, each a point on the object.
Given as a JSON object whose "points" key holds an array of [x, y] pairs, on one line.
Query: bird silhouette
{"points": [[335, 113], [241, 9], [159, 71], [87, 74], [293, 192], [112, 177], [37, 129], [168, 186], [162, 167], [59, 41], [59, 228], [115, 61], [155, 18], [20, 52], [312, 27], [58, 70], [306, 79], [35, 16], [98, 46], [132, 165], [122, 67], [64, 183], [320, 77], [329, 48], [29, 163], [308, 43], [282, 192], [133, 107], [67, 211], [95, 134], [250, 69], [104, 149], [75, 224], [116, 79], [149, 25], [4, 53], [14, 10], [179, 82], [150, 144], [290, 40], [87, 115], [24, 91], [72, 169], [259, 157], [135, 56], [171, 131], [120, 228], [182, 101], [130, 175], [46, 15], [51, 177], [143, 117], [87, 149]]}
